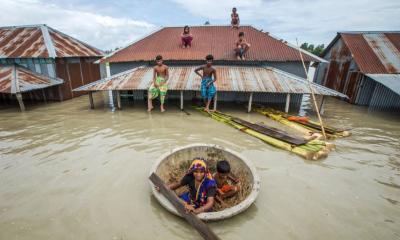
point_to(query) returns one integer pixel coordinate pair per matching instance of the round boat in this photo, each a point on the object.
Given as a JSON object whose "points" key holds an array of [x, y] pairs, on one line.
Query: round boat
{"points": [[171, 167]]}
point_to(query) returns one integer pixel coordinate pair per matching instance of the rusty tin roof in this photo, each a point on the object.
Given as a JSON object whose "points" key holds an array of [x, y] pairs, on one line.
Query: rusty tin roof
{"points": [[216, 40], [41, 41], [16, 79], [229, 79], [374, 52]]}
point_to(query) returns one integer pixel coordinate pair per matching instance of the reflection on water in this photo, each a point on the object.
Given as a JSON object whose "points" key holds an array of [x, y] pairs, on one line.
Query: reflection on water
{"points": [[68, 172]]}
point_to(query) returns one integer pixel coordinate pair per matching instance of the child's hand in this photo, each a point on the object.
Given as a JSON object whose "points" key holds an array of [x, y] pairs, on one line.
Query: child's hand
{"points": [[189, 208], [157, 188]]}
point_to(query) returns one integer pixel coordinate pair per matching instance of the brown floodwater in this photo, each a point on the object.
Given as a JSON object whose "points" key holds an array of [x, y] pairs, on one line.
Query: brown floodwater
{"points": [[67, 172]]}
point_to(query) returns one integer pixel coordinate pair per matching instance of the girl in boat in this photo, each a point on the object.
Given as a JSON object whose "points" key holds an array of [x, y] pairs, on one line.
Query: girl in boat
{"points": [[186, 37], [202, 187]]}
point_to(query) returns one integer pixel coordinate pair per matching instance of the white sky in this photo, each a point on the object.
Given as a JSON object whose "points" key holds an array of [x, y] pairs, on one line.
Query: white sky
{"points": [[107, 24]]}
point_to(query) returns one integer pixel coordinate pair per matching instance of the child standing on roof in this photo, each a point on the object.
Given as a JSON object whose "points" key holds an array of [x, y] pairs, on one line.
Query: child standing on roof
{"points": [[186, 37], [208, 78], [242, 46], [235, 19], [159, 85]]}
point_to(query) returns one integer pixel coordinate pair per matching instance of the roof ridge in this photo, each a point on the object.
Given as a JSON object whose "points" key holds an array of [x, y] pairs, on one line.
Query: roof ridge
{"points": [[366, 32], [48, 41], [25, 26]]}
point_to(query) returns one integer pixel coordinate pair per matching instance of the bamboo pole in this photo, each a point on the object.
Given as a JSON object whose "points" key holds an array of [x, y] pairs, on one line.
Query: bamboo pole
{"points": [[119, 100], [215, 102], [312, 91], [20, 101]]}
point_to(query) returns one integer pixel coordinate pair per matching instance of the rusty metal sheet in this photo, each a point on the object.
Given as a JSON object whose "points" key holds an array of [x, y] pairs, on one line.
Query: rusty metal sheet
{"points": [[67, 46], [22, 42], [374, 52], [38, 41], [15, 79], [229, 79], [216, 40]]}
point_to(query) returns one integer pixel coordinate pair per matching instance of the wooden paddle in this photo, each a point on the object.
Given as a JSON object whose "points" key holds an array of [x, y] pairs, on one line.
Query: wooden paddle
{"points": [[191, 218]]}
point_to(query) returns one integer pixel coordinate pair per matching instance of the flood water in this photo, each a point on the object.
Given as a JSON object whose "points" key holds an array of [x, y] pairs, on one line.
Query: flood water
{"points": [[67, 172]]}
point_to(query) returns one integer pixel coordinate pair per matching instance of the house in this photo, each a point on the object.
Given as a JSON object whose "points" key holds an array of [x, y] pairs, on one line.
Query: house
{"points": [[45, 53], [365, 66], [272, 72]]}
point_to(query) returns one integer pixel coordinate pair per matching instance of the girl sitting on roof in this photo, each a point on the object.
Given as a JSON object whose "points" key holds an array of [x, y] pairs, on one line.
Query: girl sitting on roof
{"points": [[186, 37], [202, 187]]}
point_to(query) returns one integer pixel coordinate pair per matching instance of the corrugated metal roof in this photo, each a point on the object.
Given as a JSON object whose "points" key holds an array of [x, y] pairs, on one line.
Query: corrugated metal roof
{"points": [[374, 52], [391, 81], [15, 79], [229, 78], [41, 41], [216, 40]]}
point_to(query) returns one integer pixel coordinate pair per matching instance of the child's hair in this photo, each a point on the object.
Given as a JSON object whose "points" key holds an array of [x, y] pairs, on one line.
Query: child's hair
{"points": [[186, 27], [233, 9], [209, 57], [159, 57], [241, 34], [223, 167]]}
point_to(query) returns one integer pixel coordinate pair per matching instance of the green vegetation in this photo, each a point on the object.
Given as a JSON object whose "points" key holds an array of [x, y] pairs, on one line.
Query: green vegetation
{"points": [[314, 50]]}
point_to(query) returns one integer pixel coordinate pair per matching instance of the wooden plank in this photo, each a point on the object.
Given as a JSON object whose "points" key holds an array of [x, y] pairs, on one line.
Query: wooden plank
{"points": [[191, 218], [287, 103], [20, 101], [270, 132], [250, 101]]}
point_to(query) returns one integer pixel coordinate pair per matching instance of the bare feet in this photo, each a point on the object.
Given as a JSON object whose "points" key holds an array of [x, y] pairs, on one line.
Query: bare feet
{"points": [[149, 109], [162, 109], [238, 58], [207, 110]]}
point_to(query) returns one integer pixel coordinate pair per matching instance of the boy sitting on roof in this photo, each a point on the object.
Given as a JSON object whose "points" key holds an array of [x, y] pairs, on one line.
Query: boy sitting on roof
{"points": [[202, 187], [207, 88], [223, 174], [242, 46], [159, 85], [235, 19]]}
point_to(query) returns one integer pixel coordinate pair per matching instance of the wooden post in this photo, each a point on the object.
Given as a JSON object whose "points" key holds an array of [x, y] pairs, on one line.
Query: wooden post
{"points": [[287, 103], [215, 101], [181, 100], [44, 96], [20, 101], [191, 218], [91, 100], [250, 101], [322, 106], [119, 100]]}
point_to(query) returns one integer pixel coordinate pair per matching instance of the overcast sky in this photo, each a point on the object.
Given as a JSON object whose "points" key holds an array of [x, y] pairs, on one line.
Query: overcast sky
{"points": [[109, 24]]}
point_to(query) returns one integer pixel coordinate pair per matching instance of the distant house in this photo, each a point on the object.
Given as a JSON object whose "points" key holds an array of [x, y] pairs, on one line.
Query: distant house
{"points": [[272, 71], [55, 62], [365, 66]]}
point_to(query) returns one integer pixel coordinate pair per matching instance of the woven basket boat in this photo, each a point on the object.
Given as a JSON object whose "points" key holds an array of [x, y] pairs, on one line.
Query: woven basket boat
{"points": [[181, 158]]}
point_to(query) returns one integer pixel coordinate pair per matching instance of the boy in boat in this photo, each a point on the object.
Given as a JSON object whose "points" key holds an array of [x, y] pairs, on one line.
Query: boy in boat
{"points": [[242, 46], [159, 85], [207, 88], [202, 187], [235, 19], [223, 174]]}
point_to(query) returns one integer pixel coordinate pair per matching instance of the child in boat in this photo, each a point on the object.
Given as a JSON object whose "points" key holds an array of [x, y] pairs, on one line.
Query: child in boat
{"points": [[242, 46], [235, 19], [159, 85], [202, 187], [207, 88], [223, 174], [186, 37]]}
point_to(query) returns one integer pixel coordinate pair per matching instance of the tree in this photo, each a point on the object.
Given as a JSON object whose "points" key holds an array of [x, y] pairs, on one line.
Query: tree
{"points": [[314, 50]]}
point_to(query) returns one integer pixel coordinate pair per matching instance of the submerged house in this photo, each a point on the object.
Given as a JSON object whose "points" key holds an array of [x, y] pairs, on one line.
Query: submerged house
{"points": [[272, 71], [38, 62], [365, 66]]}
